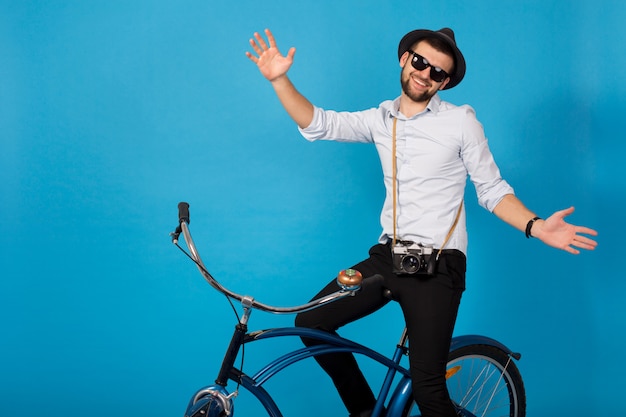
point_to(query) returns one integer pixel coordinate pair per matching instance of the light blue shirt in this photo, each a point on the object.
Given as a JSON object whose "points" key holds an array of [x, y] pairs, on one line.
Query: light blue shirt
{"points": [[437, 150]]}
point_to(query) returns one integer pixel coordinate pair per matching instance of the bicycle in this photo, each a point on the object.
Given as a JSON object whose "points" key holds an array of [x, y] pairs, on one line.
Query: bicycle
{"points": [[482, 377]]}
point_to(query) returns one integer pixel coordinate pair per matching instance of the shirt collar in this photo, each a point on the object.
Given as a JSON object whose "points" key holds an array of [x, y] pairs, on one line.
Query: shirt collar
{"points": [[433, 106]]}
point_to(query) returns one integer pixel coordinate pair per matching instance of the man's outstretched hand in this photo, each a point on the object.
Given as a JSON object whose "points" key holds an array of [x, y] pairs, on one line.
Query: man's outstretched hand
{"points": [[271, 63], [556, 232]]}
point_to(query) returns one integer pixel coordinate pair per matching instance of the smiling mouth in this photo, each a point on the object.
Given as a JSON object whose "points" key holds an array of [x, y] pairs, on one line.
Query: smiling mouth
{"points": [[420, 82]]}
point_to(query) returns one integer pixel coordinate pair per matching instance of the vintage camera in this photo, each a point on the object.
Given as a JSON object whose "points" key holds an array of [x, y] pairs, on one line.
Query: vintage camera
{"points": [[410, 258]]}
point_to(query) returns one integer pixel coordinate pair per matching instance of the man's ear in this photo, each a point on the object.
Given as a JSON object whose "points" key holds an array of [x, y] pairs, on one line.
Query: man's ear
{"points": [[403, 58], [444, 83]]}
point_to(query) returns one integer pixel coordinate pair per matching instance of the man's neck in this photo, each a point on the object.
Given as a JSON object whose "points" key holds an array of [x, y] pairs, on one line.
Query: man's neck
{"points": [[410, 108]]}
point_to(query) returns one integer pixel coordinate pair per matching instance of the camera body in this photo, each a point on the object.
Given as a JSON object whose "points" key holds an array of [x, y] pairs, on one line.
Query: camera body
{"points": [[410, 258]]}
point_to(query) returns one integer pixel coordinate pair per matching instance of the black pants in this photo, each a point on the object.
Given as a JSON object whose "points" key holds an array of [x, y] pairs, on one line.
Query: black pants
{"points": [[429, 306]]}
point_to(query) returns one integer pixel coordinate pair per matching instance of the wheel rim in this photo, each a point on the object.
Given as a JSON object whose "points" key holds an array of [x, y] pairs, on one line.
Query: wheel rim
{"points": [[482, 387]]}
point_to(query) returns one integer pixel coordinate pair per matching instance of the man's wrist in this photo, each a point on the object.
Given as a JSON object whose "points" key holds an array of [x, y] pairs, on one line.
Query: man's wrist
{"points": [[529, 226]]}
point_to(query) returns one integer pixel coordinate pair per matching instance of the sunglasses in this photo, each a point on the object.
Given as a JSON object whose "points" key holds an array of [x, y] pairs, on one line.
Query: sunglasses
{"points": [[420, 63]]}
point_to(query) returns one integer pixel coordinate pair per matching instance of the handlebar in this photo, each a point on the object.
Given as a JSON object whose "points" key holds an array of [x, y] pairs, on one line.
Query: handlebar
{"points": [[349, 280]]}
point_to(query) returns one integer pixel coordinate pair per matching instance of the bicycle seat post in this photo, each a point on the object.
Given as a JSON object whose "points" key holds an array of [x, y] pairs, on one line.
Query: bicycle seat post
{"points": [[403, 339]]}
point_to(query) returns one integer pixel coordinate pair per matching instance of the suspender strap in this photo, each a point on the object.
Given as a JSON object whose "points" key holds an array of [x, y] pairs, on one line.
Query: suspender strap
{"points": [[394, 170], [456, 220]]}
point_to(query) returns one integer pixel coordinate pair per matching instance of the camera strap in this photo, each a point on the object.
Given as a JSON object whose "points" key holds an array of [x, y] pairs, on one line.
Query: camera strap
{"points": [[394, 169]]}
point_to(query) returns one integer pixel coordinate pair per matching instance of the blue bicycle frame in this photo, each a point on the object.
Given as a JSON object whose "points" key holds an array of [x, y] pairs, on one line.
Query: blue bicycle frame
{"points": [[221, 399]]}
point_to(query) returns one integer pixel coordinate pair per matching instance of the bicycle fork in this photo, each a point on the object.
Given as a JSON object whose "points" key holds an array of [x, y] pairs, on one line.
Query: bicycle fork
{"points": [[214, 400]]}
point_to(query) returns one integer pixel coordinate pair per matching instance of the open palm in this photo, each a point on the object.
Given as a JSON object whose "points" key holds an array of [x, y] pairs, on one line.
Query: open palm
{"points": [[268, 59], [558, 233]]}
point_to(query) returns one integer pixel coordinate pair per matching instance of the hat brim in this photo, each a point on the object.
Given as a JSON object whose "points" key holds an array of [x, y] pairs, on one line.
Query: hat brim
{"points": [[459, 61]]}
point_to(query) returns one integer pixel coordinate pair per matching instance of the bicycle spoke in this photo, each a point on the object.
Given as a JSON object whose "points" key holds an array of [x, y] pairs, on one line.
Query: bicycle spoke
{"points": [[481, 386]]}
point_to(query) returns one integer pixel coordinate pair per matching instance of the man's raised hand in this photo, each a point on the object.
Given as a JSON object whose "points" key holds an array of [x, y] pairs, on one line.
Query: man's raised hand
{"points": [[269, 59]]}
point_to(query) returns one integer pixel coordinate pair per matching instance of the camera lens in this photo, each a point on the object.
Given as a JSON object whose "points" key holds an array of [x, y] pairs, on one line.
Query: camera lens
{"points": [[411, 264]]}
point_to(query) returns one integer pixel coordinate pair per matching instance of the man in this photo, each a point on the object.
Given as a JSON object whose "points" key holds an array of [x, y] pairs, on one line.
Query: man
{"points": [[427, 147]]}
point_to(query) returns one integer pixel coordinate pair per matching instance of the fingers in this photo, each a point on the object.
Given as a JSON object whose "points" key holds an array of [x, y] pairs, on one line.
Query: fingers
{"points": [[259, 46], [261, 41], [252, 57], [291, 53], [561, 214], [585, 242], [581, 242], [270, 38], [586, 231], [258, 43]]}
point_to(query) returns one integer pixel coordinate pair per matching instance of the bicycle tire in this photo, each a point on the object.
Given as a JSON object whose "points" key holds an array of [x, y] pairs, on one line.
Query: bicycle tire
{"points": [[483, 381]]}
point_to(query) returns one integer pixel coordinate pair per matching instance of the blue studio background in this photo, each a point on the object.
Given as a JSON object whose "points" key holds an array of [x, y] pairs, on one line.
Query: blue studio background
{"points": [[111, 112]]}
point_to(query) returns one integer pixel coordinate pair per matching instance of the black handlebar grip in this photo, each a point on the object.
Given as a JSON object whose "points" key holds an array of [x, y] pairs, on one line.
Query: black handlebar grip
{"points": [[183, 212]]}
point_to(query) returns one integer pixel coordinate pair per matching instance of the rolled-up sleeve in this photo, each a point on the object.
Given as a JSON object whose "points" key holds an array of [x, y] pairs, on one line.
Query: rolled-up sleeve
{"points": [[339, 126], [481, 166]]}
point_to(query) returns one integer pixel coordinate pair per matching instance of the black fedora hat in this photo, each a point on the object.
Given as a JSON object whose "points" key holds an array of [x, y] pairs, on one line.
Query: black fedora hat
{"points": [[445, 34]]}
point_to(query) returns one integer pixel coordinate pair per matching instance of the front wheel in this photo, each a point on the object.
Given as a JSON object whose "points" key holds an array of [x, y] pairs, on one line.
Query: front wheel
{"points": [[206, 406], [483, 381], [212, 401]]}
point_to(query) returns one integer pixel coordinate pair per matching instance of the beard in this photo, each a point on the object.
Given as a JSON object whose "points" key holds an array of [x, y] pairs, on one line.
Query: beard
{"points": [[422, 97]]}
